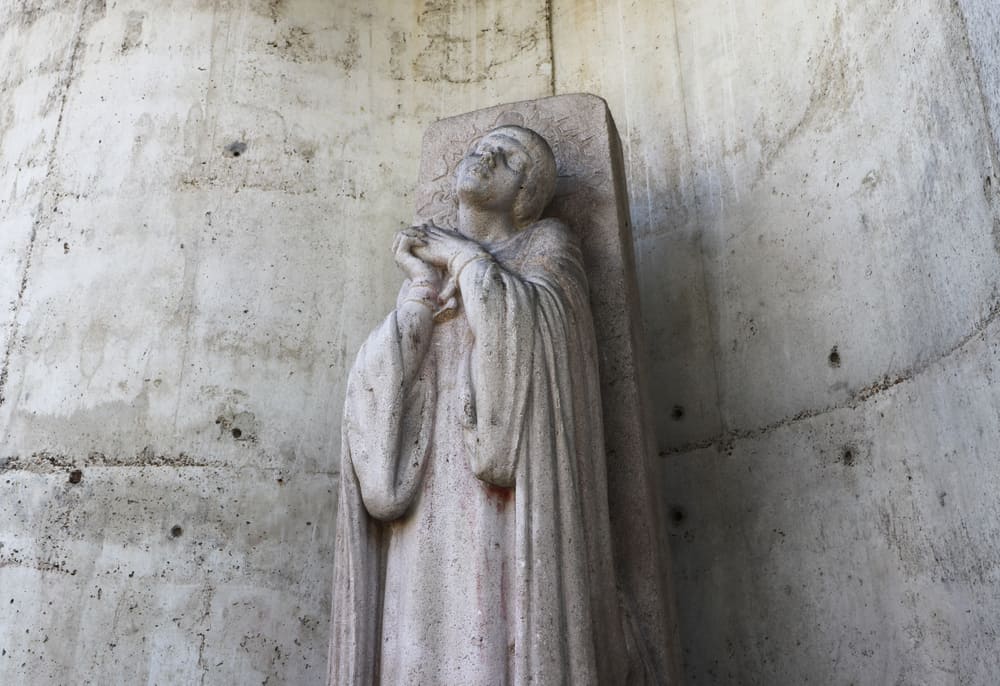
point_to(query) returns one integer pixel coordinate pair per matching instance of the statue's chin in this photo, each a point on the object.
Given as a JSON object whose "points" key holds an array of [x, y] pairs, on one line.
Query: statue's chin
{"points": [[472, 191]]}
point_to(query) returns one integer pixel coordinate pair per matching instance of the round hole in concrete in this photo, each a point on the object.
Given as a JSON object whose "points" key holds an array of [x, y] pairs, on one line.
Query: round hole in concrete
{"points": [[75, 476], [176, 531], [834, 357], [235, 149], [237, 433], [677, 413], [848, 457]]}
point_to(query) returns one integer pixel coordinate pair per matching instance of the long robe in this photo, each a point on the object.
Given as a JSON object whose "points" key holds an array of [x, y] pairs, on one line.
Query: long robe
{"points": [[473, 541]]}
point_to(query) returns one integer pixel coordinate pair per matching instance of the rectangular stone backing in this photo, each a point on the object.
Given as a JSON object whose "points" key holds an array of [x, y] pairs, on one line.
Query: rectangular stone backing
{"points": [[591, 198]]}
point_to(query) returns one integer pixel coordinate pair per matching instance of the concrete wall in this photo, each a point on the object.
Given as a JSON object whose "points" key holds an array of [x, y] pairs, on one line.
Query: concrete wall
{"points": [[177, 320], [815, 192], [196, 204]]}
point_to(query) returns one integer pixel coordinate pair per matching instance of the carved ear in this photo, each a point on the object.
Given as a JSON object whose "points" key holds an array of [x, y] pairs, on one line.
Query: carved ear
{"points": [[535, 193]]}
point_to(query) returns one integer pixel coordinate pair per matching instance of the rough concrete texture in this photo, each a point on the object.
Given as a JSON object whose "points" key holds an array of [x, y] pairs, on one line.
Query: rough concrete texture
{"points": [[814, 191], [803, 176], [197, 201]]}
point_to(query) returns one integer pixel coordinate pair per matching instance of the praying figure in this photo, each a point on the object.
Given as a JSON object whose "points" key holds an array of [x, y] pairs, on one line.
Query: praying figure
{"points": [[473, 541]]}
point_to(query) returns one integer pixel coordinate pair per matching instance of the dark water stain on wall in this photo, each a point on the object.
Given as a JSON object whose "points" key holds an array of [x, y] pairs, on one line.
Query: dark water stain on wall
{"points": [[133, 31]]}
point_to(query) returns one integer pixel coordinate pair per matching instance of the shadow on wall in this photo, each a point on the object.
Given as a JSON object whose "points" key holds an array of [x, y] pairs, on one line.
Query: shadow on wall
{"points": [[821, 315]]}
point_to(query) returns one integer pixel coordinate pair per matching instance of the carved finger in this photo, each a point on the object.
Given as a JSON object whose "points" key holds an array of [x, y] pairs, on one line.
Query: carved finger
{"points": [[436, 236], [448, 291], [409, 242], [444, 234]]}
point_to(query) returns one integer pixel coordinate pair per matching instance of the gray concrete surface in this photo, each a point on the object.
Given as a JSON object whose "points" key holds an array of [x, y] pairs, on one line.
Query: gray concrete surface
{"points": [[803, 177], [811, 177], [178, 320]]}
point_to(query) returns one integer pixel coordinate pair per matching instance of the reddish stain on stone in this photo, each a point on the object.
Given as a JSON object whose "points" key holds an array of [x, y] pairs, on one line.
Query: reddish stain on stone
{"points": [[500, 495]]}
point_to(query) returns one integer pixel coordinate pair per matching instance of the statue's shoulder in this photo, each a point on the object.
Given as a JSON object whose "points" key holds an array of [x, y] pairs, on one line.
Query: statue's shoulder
{"points": [[551, 232]]}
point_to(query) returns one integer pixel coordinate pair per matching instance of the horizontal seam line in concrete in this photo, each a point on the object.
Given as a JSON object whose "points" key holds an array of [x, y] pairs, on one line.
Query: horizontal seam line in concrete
{"points": [[37, 565], [43, 465], [859, 398]]}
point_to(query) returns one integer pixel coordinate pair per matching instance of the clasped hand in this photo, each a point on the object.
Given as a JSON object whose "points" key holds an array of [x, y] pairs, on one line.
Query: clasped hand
{"points": [[426, 252]]}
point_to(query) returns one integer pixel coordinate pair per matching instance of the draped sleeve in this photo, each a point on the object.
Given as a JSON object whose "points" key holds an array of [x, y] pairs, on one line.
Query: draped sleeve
{"points": [[388, 415], [530, 411], [505, 304], [536, 426], [388, 420]]}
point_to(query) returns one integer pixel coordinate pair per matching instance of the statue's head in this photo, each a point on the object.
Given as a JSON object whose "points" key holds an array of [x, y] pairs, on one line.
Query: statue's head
{"points": [[511, 167]]}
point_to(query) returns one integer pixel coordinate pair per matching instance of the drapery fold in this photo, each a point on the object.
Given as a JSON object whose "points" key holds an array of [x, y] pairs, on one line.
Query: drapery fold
{"points": [[523, 410]]}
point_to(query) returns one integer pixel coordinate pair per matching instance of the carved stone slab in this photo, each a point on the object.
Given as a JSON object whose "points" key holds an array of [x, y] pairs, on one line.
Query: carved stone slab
{"points": [[591, 198]]}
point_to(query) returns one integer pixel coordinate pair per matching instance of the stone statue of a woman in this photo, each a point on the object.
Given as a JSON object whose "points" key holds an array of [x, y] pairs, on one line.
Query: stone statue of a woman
{"points": [[473, 541]]}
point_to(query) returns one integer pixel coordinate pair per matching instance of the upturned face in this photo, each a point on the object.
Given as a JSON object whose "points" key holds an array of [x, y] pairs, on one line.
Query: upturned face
{"points": [[493, 172]]}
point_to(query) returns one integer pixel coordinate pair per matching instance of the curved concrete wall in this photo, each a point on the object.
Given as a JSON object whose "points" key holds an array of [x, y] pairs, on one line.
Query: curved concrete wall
{"points": [[198, 201], [815, 192], [196, 204]]}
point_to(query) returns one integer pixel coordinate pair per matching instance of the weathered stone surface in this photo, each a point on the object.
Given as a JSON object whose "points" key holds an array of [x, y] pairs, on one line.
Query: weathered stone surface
{"points": [[591, 198], [497, 520]]}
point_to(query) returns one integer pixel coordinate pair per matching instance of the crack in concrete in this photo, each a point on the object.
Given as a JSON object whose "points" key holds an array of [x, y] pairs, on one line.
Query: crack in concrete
{"points": [[703, 270], [992, 136], [64, 86], [201, 657], [726, 439], [13, 328], [552, 49], [207, 594], [830, 82]]}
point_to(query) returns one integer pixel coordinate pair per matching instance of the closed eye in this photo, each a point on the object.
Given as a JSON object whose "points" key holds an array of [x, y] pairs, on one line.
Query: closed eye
{"points": [[516, 161], [502, 155]]}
